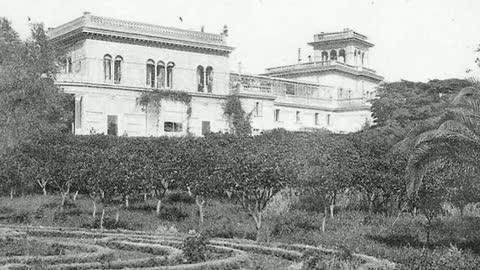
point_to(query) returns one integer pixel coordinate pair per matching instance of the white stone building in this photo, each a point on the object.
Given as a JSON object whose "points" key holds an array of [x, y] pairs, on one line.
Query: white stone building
{"points": [[110, 62]]}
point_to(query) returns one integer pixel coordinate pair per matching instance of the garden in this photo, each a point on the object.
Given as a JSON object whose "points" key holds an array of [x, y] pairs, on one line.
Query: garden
{"points": [[402, 193]]}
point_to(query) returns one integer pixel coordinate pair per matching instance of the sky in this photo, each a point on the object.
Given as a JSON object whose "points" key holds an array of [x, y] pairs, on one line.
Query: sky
{"points": [[416, 40]]}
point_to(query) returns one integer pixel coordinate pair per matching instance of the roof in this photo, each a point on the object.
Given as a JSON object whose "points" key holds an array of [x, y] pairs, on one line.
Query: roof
{"points": [[110, 27], [347, 35]]}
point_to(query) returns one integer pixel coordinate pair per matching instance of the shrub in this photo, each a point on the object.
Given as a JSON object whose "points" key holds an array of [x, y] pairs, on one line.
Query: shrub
{"points": [[195, 248], [179, 197], [172, 213]]}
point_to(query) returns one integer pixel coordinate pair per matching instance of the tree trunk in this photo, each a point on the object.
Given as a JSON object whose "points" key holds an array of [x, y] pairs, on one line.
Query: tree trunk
{"points": [[44, 189], [94, 213], [75, 195], [102, 217], [200, 202], [258, 225], [332, 207], [159, 205], [324, 220], [117, 216], [145, 197], [370, 204], [64, 200], [12, 192], [126, 202]]}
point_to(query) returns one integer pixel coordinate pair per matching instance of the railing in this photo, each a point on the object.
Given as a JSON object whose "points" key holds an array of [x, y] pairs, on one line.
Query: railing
{"points": [[256, 84], [136, 27], [291, 91], [316, 64], [338, 35]]}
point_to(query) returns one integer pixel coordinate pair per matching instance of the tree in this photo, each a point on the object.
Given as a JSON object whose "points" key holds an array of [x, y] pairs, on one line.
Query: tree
{"points": [[451, 140], [380, 171], [30, 103], [328, 171], [255, 170], [405, 103]]}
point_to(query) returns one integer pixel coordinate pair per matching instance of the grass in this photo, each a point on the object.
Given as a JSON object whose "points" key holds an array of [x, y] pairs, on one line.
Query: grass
{"points": [[453, 239]]}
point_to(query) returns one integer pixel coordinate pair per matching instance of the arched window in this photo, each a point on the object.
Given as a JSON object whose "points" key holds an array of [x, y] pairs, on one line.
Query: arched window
{"points": [[328, 119], [333, 55], [209, 79], [324, 56], [170, 67], [160, 74], [117, 69], [341, 56], [107, 67], [200, 79], [340, 92], [68, 65], [363, 58], [150, 73]]}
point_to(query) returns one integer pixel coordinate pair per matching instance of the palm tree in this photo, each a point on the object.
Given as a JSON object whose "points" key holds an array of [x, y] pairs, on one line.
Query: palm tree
{"points": [[452, 139]]}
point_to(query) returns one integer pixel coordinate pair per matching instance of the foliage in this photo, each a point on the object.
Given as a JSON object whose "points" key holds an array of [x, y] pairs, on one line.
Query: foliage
{"points": [[449, 141], [405, 103], [239, 119], [30, 103], [152, 100], [194, 248], [379, 172]]}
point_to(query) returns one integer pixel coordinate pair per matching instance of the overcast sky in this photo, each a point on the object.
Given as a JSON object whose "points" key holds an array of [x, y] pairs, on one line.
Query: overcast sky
{"points": [[414, 39]]}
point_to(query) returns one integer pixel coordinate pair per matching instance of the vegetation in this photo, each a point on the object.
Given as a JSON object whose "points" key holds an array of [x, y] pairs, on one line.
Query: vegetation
{"points": [[30, 103], [392, 190]]}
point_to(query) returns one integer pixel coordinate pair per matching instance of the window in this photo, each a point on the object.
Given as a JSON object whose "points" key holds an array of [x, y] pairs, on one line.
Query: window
{"points": [[160, 74], [277, 115], [200, 79], [290, 89], [172, 127], [68, 65], [170, 67], [150, 73], [258, 110], [324, 56], [112, 125], [328, 119], [297, 117], [209, 79], [341, 56], [205, 127], [333, 55], [316, 119], [107, 67], [340, 92], [117, 69]]}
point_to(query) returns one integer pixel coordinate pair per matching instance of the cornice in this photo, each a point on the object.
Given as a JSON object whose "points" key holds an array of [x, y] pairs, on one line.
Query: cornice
{"points": [[340, 68], [94, 26]]}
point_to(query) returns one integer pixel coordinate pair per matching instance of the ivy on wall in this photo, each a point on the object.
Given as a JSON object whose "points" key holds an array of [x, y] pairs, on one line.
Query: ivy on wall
{"points": [[238, 118], [152, 101]]}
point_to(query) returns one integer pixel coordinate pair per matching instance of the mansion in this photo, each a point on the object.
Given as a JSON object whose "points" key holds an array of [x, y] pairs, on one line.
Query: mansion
{"points": [[111, 62]]}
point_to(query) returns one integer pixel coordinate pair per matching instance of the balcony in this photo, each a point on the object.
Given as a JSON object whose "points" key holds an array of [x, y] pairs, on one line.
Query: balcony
{"points": [[291, 92]]}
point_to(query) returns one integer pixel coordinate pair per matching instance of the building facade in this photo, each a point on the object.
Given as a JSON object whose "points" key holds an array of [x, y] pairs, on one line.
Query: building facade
{"points": [[111, 62]]}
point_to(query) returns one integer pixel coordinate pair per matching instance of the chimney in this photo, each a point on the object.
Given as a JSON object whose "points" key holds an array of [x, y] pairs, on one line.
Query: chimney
{"points": [[299, 55], [86, 13]]}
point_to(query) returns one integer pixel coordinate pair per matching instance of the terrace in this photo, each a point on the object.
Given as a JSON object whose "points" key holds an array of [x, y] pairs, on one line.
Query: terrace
{"points": [[291, 92]]}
